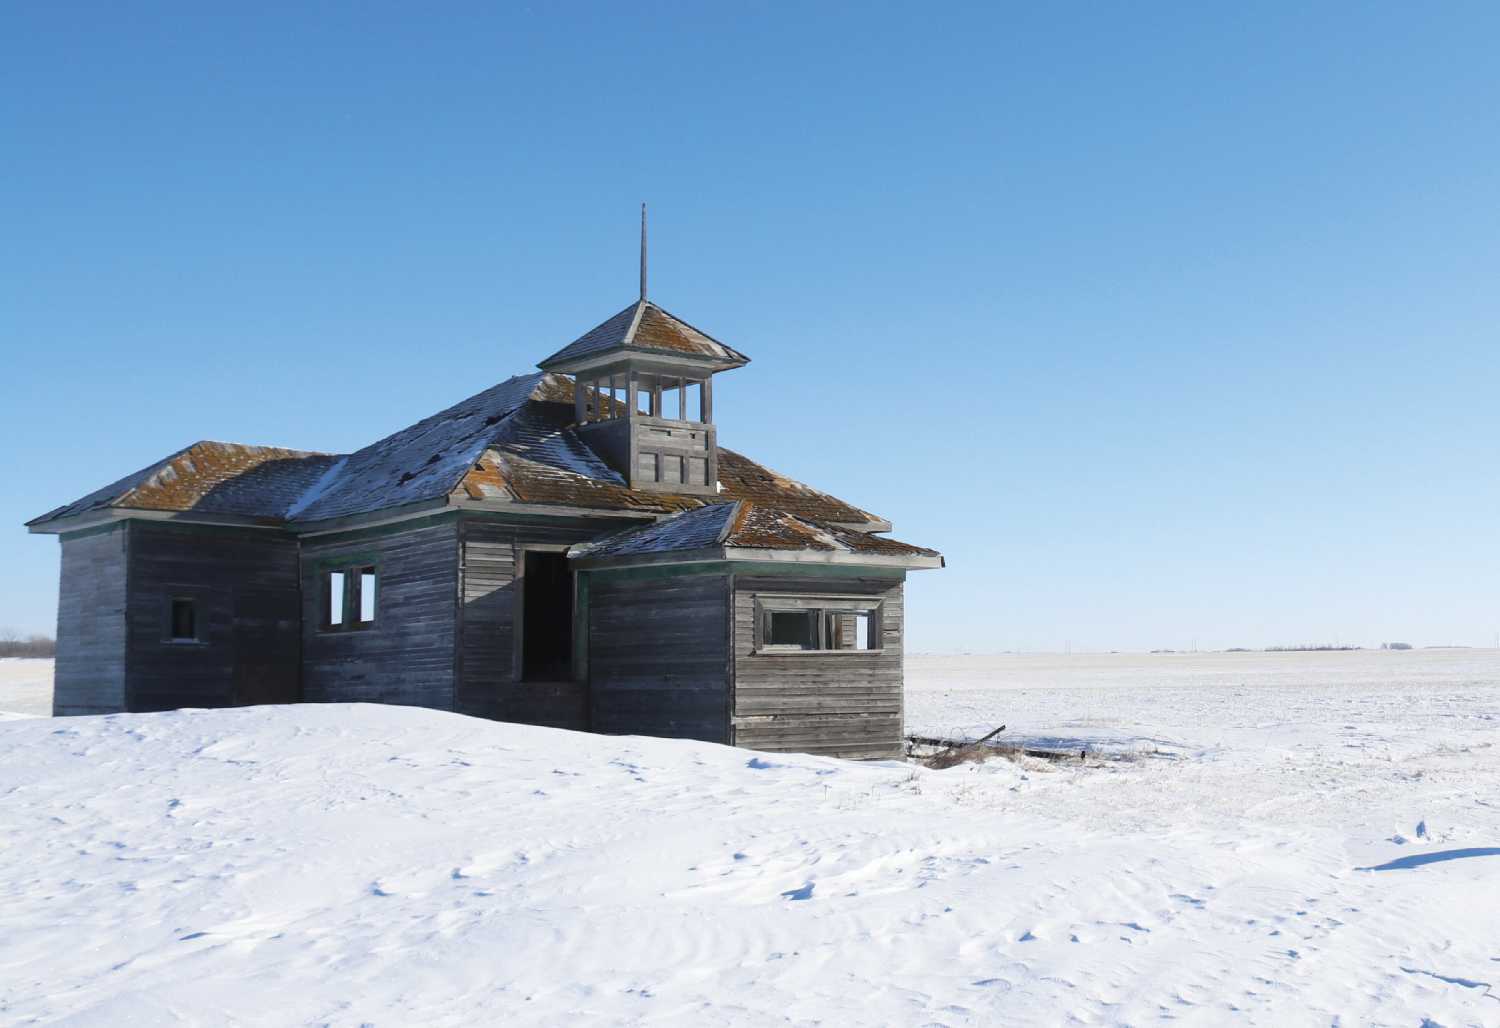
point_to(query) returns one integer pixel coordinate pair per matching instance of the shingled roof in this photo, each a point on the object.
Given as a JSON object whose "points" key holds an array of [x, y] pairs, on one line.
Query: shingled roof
{"points": [[512, 444], [643, 327], [261, 482], [425, 460], [744, 530]]}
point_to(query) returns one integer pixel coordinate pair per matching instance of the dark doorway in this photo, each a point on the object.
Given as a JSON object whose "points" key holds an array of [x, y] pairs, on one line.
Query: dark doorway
{"points": [[547, 621]]}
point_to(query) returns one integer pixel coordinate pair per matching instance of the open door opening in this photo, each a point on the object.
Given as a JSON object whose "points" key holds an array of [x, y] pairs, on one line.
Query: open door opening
{"points": [[547, 622]]}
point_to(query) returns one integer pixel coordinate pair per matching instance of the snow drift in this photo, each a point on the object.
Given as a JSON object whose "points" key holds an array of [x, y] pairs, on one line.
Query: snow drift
{"points": [[363, 864]]}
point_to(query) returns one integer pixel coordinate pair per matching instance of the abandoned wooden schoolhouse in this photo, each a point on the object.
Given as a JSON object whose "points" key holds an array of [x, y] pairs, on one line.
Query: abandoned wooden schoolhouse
{"points": [[571, 547]]}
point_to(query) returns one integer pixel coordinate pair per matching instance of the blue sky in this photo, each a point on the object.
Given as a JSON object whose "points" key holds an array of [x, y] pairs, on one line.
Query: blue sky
{"points": [[1164, 323]]}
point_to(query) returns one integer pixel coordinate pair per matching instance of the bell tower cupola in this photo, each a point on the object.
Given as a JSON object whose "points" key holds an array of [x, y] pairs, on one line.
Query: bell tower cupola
{"points": [[643, 397]]}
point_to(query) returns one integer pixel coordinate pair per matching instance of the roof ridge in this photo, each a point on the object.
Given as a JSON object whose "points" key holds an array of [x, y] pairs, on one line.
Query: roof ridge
{"points": [[147, 473], [735, 522], [635, 321], [437, 484], [260, 446], [313, 492]]}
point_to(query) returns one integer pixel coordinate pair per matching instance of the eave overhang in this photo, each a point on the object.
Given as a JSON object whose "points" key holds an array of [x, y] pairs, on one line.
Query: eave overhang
{"points": [[579, 557], [112, 515], [643, 358]]}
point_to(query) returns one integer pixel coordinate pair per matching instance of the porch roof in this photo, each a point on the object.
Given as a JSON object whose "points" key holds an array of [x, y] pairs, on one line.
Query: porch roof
{"points": [[744, 530]]}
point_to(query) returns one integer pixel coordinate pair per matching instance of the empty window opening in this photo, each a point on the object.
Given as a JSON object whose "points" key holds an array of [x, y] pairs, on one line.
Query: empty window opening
{"points": [[351, 597], [810, 623], [645, 395], [850, 631], [366, 596], [793, 628], [184, 620], [547, 617], [333, 591]]}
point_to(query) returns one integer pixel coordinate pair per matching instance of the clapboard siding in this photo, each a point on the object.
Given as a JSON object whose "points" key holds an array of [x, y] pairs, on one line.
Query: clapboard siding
{"points": [[487, 622], [408, 655], [243, 584], [846, 704], [658, 658], [89, 677], [488, 683]]}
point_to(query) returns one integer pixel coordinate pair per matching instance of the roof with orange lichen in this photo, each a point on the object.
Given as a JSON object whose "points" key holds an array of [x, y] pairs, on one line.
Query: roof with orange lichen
{"points": [[511, 445], [725, 530], [643, 327], [260, 482]]}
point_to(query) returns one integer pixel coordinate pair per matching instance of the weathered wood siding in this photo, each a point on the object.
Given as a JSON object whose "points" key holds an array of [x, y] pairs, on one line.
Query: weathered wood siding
{"points": [[89, 677], [243, 583], [408, 655], [659, 655], [489, 680], [487, 623], [846, 703]]}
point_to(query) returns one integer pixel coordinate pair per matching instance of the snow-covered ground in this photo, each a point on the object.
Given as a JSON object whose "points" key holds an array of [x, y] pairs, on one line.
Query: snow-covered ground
{"points": [[25, 687], [1297, 839]]}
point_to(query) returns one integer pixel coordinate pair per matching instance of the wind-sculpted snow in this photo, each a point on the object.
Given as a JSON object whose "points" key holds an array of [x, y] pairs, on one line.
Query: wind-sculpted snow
{"points": [[1256, 863]]}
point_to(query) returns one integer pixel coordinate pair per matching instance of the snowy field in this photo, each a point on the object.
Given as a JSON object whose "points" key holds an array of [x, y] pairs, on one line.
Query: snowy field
{"points": [[25, 686], [1259, 839]]}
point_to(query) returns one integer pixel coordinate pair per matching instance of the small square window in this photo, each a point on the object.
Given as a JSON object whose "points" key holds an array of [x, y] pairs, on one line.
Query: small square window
{"points": [[184, 620]]}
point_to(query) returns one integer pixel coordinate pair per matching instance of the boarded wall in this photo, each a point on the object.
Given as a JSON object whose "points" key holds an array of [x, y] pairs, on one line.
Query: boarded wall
{"points": [[658, 655], [845, 703], [243, 585], [90, 670]]}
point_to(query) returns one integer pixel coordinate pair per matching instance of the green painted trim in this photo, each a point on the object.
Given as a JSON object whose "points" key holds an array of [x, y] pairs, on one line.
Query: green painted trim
{"points": [[647, 572], [199, 528], [792, 569], [581, 628], [180, 527], [784, 569], [84, 533], [355, 535], [600, 526], [346, 561], [604, 522]]}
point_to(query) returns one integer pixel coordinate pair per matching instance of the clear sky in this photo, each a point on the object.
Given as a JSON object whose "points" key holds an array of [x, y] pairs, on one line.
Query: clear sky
{"points": [[1164, 323]]}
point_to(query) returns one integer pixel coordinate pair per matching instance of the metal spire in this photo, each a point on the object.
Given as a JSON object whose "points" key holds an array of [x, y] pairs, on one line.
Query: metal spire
{"points": [[643, 252]]}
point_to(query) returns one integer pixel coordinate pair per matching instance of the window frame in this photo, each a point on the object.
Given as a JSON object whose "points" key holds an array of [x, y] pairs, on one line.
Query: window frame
{"points": [[353, 569], [169, 634], [819, 608]]}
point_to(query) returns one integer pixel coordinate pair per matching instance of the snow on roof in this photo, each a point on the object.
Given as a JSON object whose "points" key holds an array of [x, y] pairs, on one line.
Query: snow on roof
{"points": [[643, 326], [691, 530], [512, 443], [426, 460], [743, 525]]}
